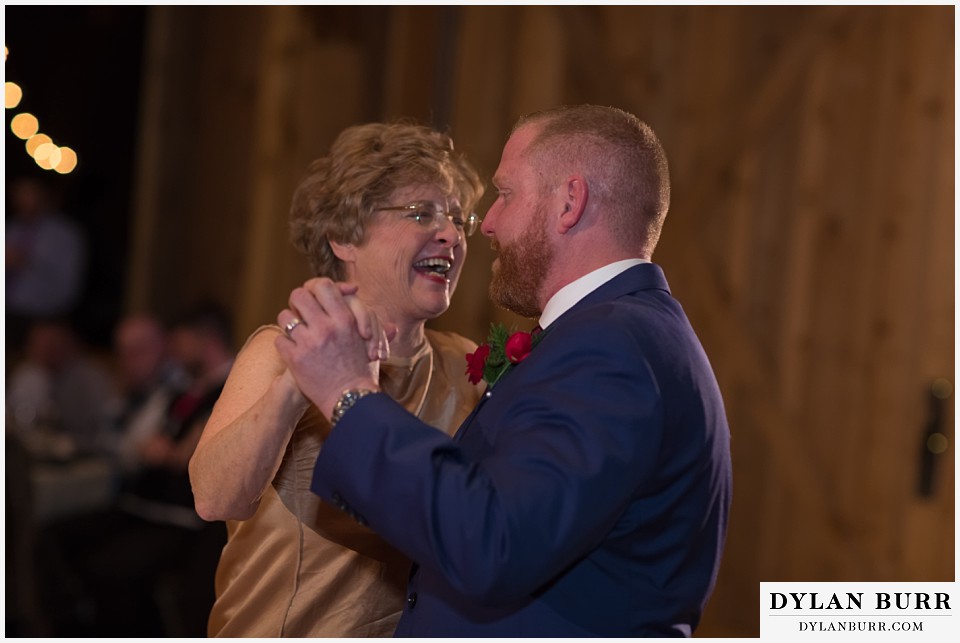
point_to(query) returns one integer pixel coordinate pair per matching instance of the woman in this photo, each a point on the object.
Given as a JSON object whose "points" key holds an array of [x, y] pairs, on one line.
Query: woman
{"points": [[384, 211]]}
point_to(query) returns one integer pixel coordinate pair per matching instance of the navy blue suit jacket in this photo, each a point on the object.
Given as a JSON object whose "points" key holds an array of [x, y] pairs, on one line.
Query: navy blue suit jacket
{"points": [[587, 495]]}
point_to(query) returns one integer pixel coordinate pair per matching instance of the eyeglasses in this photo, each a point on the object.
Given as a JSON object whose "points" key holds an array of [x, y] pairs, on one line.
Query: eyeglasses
{"points": [[430, 216]]}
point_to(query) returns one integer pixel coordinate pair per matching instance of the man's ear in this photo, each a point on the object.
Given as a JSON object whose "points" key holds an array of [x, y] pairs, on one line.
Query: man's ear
{"points": [[575, 193], [345, 252]]}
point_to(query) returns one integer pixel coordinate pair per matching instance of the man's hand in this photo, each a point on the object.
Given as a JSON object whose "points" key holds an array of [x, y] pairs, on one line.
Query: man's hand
{"points": [[332, 341]]}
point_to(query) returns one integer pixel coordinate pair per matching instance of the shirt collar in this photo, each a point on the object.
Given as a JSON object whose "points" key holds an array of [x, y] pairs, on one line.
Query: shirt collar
{"points": [[568, 296]]}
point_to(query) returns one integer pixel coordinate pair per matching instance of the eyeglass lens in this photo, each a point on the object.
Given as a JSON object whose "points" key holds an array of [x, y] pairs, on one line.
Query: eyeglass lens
{"points": [[429, 214]]}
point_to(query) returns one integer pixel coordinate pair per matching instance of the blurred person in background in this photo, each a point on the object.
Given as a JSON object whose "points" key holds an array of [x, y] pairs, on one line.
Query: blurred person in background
{"points": [[59, 393], [146, 566], [390, 209], [200, 346], [46, 258], [148, 378]]}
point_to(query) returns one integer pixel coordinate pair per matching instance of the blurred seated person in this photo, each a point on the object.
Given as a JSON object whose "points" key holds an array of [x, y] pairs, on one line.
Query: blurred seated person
{"points": [[109, 570], [59, 393], [45, 257], [148, 378], [201, 343]]}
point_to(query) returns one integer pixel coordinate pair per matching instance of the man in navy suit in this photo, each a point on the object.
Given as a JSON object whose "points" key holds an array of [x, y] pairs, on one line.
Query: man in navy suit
{"points": [[588, 493]]}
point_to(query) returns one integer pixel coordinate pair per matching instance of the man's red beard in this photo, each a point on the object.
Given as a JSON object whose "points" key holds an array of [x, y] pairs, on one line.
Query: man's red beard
{"points": [[522, 270]]}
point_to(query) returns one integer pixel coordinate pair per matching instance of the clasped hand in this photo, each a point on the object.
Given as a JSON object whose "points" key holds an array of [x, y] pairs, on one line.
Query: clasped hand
{"points": [[337, 344]]}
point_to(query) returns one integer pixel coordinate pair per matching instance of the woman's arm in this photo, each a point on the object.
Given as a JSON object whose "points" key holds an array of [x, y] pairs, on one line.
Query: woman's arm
{"points": [[244, 440]]}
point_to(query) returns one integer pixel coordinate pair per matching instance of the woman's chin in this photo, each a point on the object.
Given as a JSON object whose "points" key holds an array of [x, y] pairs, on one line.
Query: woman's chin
{"points": [[433, 307]]}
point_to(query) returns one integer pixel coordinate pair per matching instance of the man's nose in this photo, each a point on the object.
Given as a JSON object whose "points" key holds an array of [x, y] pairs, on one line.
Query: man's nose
{"points": [[486, 225]]}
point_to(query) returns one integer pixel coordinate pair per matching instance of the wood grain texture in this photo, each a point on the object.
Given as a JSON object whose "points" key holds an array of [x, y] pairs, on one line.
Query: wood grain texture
{"points": [[810, 237]]}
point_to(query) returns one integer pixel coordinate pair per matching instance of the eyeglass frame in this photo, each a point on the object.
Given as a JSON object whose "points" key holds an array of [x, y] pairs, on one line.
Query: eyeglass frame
{"points": [[471, 222]]}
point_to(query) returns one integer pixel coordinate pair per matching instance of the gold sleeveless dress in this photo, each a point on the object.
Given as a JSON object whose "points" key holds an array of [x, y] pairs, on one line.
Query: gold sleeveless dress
{"points": [[302, 568]]}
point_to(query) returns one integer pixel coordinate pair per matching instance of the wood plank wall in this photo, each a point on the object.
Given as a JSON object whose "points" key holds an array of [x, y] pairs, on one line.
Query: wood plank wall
{"points": [[810, 236]]}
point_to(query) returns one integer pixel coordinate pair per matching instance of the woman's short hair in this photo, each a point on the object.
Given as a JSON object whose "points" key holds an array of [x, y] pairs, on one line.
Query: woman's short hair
{"points": [[340, 192]]}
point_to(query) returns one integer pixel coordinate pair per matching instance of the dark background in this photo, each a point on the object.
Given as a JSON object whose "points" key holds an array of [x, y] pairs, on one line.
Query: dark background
{"points": [[80, 69]]}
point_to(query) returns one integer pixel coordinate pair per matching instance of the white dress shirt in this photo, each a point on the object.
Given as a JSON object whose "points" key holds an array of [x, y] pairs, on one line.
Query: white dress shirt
{"points": [[565, 298]]}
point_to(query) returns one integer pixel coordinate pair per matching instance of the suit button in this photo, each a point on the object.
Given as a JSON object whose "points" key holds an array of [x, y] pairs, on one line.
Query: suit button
{"points": [[412, 600]]}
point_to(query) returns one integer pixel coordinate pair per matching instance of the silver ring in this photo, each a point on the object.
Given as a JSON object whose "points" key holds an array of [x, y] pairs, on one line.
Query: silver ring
{"points": [[293, 323]]}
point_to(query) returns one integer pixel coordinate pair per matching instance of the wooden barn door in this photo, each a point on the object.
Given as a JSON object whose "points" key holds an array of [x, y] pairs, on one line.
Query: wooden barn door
{"points": [[822, 280]]}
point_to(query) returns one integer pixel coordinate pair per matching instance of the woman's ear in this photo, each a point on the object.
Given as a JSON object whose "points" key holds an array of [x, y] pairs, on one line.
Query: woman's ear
{"points": [[345, 252], [575, 193]]}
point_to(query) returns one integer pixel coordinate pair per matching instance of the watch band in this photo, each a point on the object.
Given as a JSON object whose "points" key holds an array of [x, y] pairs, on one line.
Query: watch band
{"points": [[347, 399]]}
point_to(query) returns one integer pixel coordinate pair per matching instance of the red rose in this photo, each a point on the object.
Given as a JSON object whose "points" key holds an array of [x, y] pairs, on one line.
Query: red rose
{"points": [[475, 363], [518, 346]]}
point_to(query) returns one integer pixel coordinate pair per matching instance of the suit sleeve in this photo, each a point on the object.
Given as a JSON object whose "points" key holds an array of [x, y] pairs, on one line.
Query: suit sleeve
{"points": [[580, 435]]}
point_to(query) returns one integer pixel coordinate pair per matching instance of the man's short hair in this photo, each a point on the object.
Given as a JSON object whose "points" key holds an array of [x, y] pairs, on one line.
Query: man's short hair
{"points": [[621, 157]]}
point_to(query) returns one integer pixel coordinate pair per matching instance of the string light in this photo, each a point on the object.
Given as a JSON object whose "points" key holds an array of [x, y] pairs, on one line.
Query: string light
{"points": [[12, 94], [47, 155], [25, 126], [68, 161], [35, 142]]}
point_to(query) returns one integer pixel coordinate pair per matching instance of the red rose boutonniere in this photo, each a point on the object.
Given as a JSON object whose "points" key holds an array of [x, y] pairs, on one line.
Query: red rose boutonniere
{"points": [[501, 351]]}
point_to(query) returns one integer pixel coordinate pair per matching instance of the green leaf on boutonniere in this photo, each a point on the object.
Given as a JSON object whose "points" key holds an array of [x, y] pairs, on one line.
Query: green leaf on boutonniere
{"points": [[497, 361], [501, 351]]}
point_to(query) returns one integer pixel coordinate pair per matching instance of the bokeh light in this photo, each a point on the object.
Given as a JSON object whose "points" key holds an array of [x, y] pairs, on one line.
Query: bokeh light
{"points": [[68, 161], [47, 155], [24, 125], [36, 141], [12, 94], [50, 157]]}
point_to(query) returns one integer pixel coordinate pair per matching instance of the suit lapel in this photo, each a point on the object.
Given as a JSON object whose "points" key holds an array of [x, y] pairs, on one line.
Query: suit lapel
{"points": [[646, 276], [466, 423]]}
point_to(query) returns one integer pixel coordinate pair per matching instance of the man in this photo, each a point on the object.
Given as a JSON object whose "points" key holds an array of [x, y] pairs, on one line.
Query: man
{"points": [[58, 394], [588, 493], [145, 567], [148, 380], [46, 258]]}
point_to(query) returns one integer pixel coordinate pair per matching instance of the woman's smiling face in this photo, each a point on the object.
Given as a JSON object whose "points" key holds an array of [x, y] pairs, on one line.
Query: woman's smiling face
{"points": [[408, 269]]}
